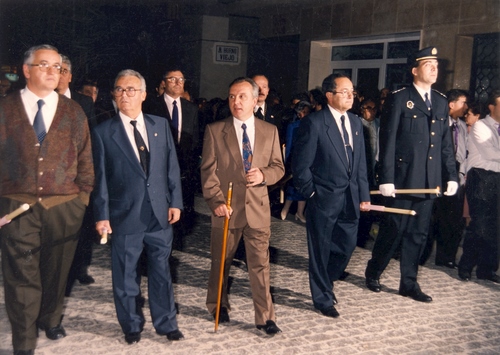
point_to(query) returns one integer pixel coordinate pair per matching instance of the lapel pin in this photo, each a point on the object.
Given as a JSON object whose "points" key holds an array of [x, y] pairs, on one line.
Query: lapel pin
{"points": [[410, 105], [156, 134]]}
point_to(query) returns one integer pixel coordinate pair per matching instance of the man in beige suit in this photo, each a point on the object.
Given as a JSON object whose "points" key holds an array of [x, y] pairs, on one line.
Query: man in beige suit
{"points": [[245, 151]]}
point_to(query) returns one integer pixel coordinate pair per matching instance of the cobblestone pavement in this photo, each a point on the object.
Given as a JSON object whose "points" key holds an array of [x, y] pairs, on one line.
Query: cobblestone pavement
{"points": [[464, 317]]}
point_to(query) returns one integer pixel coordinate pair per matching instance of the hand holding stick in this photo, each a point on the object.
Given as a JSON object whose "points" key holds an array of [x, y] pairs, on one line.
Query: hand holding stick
{"points": [[391, 210], [9, 217], [104, 236], [223, 256], [411, 191]]}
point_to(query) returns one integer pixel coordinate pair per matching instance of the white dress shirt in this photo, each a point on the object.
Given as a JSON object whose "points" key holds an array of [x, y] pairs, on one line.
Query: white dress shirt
{"points": [[250, 122], [336, 115], [484, 145], [30, 102], [129, 129], [422, 93], [170, 105]]}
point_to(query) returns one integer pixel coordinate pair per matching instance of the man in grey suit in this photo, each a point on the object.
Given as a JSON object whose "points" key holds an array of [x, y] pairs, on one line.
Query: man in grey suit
{"points": [[329, 167], [138, 197]]}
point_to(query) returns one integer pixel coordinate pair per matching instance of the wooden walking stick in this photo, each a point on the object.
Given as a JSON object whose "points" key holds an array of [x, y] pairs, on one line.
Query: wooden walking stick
{"points": [[223, 256]]}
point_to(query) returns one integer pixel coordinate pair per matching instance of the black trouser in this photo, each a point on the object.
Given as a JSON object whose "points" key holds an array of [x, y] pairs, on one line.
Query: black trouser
{"points": [[481, 243]]}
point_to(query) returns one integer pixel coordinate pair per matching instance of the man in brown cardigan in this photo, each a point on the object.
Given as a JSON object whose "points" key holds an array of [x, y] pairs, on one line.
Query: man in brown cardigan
{"points": [[46, 161]]}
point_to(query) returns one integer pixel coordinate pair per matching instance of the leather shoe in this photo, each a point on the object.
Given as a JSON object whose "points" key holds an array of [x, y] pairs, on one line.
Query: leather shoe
{"points": [[493, 277], [24, 352], [464, 275], [133, 338], [85, 279], [448, 264], [175, 335], [417, 295], [223, 315], [270, 328], [330, 312], [55, 333], [344, 275], [373, 284]]}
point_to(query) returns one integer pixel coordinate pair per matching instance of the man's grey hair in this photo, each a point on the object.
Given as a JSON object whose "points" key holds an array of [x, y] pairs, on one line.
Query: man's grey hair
{"points": [[131, 72], [255, 87], [66, 61], [30, 53]]}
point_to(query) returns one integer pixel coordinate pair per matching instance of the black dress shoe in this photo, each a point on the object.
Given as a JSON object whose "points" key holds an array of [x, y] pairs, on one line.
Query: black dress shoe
{"points": [[344, 275], [175, 335], [464, 275], [417, 295], [223, 315], [270, 328], [373, 284], [56, 332], [133, 338], [448, 264], [493, 277], [330, 312], [85, 279], [24, 352]]}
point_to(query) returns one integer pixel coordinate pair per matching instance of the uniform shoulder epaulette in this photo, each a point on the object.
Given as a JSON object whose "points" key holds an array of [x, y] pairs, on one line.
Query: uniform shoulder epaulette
{"points": [[440, 93], [404, 88]]}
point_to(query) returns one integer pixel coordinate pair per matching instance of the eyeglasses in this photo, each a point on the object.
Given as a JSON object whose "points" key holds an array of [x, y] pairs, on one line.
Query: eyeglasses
{"points": [[173, 79], [118, 91], [44, 66], [345, 92], [64, 71]]}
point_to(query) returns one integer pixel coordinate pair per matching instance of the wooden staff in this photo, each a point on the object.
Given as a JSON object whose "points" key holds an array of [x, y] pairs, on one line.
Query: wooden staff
{"points": [[411, 191], [391, 210], [223, 256], [104, 237], [9, 217]]}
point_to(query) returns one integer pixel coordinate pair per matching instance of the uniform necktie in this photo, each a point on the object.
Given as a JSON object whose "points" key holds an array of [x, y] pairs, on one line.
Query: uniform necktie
{"points": [[348, 147], [247, 149], [427, 102], [175, 121], [455, 135], [38, 123], [259, 113], [141, 147]]}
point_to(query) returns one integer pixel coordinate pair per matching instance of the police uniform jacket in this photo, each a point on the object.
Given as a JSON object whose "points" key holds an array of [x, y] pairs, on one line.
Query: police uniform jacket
{"points": [[416, 148]]}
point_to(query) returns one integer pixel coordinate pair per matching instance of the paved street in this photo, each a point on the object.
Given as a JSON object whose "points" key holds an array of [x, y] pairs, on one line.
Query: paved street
{"points": [[464, 317]]}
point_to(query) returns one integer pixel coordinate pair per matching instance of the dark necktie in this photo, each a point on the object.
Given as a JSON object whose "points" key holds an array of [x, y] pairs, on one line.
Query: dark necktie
{"points": [[247, 150], [348, 147], [141, 146], [38, 123], [454, 128], [427, 102], [175, 121], [259, 113]]}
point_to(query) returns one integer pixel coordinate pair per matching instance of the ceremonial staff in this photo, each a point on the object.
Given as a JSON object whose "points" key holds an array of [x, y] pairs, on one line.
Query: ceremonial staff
{"points": [[9, 217], [411, 191], [223, 255]]}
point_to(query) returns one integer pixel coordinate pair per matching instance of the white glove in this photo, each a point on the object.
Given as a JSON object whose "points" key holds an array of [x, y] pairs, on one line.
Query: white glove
{"points": [[387, 190], [451, 188]]}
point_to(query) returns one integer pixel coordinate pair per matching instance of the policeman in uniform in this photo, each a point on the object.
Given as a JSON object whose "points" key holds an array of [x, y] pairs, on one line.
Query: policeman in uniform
{"points": [[416, 152]]}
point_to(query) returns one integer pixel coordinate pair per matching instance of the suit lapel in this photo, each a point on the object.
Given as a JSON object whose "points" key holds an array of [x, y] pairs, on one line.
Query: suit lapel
{"points": [[152, 139], [120, 137], [332, 130], [232, 145]]}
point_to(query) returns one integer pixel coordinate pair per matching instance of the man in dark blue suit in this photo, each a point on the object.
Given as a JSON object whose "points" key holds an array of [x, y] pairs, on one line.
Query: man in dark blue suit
{"points": [[329, 167], [416, 152], [138, 197]]}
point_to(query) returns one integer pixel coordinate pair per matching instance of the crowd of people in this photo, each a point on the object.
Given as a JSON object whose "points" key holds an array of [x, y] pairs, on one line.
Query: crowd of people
{"points": [[128, 164]]}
